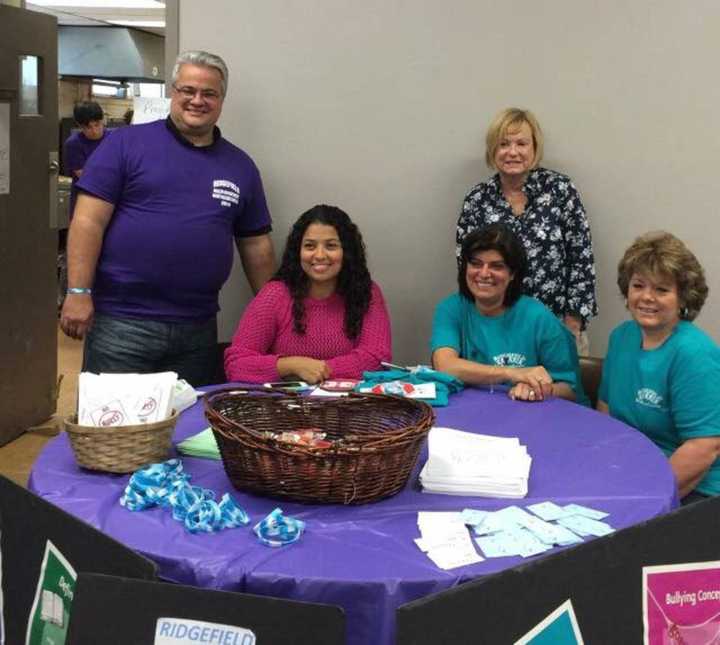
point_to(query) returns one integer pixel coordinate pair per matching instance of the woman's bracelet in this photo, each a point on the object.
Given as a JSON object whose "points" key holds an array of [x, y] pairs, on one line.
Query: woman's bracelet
{"points": [[79, 290]]}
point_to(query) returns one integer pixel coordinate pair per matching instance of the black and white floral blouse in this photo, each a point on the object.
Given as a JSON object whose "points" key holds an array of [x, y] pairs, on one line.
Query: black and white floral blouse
{"points": [[555, 233]]}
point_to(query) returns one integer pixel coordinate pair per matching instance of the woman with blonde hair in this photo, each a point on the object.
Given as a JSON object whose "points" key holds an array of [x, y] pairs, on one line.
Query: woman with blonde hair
{"points": [[661, 372], [543, 208]]}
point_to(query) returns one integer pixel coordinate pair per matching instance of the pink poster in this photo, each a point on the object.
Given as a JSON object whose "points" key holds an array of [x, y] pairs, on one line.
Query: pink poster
{"points": [[681, 604]]}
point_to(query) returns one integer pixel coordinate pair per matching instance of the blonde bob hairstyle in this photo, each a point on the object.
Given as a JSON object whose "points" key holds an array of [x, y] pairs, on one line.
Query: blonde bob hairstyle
{"points": [[660, 255], [510, 120]]}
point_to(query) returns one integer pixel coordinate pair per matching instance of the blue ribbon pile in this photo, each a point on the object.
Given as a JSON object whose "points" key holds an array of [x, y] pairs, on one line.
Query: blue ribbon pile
{"points": [[166, 485], [278, 529]]}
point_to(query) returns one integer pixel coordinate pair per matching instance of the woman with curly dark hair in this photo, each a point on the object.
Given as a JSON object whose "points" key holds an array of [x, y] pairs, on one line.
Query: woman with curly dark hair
{"points": [[661, 372], [321, 315]]}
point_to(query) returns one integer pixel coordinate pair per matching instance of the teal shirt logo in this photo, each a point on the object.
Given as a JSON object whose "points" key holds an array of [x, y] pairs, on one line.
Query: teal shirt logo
{"points": [[649, 398], [510, 359]]}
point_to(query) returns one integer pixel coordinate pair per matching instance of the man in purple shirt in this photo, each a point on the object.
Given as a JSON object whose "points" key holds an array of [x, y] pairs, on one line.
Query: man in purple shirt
{"points": [[80, 145], [150, 244]]}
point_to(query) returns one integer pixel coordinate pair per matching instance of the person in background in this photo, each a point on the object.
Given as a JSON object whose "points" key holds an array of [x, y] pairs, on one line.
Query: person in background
{"points": [[661, 372], [80, 145], [321, 316], [543, 208], [151, 241], [77, 149], [491, 333]]}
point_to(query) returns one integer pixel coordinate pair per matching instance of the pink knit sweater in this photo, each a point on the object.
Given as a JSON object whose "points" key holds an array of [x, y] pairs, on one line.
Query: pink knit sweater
{"points": [[266, 333]]}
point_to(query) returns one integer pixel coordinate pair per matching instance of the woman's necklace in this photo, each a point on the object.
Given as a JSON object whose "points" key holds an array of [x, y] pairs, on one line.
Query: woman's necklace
{"points": [[517, 202], [517, 199]]}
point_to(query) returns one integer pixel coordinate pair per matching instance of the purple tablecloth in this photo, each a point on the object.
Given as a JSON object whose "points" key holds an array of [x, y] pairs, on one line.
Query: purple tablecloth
{"points": [[363, 557]]}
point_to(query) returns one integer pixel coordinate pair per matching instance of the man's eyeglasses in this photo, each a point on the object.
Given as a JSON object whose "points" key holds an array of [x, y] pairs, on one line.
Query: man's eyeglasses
{"points": [[189, 92]]}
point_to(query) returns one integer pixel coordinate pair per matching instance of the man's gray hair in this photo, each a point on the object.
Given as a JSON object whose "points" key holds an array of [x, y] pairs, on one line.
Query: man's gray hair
{"points": [[203, 59]]}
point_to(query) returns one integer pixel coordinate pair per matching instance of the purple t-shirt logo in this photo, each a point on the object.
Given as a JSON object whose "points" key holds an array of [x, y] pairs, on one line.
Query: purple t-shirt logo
{"points": [[227, 192]]}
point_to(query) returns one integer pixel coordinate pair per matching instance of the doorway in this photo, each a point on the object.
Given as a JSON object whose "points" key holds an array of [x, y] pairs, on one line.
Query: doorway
{"points": [[28, 237]]}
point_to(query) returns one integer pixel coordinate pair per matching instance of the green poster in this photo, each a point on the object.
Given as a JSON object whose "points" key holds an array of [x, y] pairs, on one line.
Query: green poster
{"points": [[50, 612]]}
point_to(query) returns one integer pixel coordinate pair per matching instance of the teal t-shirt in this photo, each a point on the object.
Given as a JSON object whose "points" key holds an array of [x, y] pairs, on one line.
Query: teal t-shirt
{"points": [[525, 335], [669, 393]]}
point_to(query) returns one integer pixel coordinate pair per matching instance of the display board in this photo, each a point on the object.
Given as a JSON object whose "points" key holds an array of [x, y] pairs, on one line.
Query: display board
{"points": [[603, 579], [37, 538], [171, 613]]}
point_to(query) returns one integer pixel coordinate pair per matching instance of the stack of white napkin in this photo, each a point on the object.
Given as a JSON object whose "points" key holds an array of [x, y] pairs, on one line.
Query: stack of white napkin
{"points": [[463, 463], [130, 399]]}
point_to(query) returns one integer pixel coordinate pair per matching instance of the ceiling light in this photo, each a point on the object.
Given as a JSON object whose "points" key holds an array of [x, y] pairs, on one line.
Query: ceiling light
{"points": [[138, 23], [105, 4]]}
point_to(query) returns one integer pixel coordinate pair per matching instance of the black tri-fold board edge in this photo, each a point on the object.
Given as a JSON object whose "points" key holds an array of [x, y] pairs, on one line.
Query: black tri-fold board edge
{"points": [[27, 522], [602, 578], [117, 611]]}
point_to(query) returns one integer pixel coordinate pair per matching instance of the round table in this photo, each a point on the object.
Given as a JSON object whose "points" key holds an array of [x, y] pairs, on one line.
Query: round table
{"points": [[363, 558]]}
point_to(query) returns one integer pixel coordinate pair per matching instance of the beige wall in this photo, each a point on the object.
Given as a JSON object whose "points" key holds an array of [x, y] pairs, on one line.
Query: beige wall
{"points": [[70, 92], [381, 106]]}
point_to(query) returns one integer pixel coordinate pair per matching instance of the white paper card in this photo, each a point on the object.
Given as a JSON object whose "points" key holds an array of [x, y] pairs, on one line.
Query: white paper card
{"points": [[149, 108], [463, 463], [451, 557]]}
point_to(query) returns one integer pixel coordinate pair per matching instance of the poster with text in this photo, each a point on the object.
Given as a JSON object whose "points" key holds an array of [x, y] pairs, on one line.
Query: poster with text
{"points": [[146, 109], [50, 612], [681, 604], [559, 628]]}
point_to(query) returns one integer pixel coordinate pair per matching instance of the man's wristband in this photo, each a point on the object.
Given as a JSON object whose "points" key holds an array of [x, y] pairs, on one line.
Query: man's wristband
{"points": [[79, 290]]}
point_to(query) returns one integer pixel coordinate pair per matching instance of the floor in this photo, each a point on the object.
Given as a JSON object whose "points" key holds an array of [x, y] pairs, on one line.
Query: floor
{"points": [[17, 457]]}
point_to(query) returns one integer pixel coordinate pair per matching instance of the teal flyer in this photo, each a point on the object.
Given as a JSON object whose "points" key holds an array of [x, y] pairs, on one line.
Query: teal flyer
{"points": [[559, 628]]}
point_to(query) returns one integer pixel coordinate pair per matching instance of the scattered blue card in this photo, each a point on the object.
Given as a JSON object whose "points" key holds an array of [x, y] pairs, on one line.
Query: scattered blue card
{"points": [[585, 526], [577, 509], [512, 531], [547, 511]]}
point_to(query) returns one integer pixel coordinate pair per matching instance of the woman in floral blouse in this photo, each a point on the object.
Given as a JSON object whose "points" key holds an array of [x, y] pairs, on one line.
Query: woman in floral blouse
{"points": [[543, 208]]}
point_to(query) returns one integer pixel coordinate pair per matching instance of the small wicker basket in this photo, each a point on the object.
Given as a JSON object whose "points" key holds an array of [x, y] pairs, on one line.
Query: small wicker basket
{"points": [[375, 444], [120, 449]]}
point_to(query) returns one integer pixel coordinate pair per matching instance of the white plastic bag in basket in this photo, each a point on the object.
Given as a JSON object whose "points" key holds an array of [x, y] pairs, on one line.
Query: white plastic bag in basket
{"points": [[124, 399]]}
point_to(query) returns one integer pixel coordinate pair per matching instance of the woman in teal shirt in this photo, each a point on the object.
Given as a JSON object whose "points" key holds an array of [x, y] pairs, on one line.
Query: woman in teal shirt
{"points": [[661, 372], [490, 333]]}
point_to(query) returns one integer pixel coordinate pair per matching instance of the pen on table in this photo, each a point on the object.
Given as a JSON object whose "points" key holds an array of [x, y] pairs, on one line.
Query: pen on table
{"points": [[392, 366]]}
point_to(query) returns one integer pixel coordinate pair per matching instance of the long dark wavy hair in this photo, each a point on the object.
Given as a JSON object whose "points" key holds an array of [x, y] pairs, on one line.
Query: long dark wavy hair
{"points": [[354, 283]]}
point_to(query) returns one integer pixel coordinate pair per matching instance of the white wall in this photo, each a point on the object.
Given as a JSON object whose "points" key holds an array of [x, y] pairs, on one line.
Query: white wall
{"points": [[381, 107]]}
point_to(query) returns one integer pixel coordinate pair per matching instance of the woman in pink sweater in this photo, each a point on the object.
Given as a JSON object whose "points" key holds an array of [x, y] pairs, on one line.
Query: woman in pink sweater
{"points": [[321, 316]]}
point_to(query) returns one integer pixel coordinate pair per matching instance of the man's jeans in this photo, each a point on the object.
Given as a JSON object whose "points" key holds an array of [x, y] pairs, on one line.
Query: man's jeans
{"points": [[117, 345]]}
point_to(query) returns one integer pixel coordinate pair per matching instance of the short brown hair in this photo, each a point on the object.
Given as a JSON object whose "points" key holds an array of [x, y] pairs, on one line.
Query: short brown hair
{"points": [[495, 237], [512, 118], [661, 254]]}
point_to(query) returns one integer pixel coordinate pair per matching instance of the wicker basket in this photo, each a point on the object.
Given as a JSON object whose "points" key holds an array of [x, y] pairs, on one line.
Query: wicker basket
{"points": [[376, 441], [120, 449]]}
